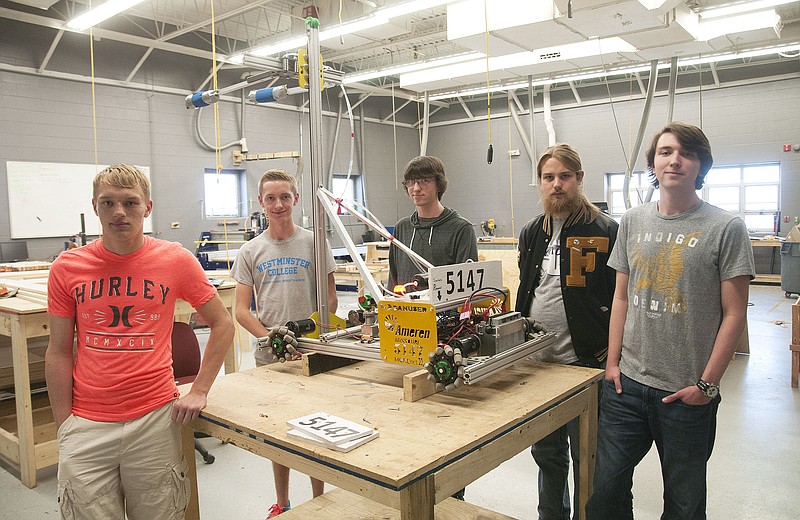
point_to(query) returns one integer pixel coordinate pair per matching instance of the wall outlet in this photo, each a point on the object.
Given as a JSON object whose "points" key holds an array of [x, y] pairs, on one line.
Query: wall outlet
{"points": [[514, 153], [175, 225]]}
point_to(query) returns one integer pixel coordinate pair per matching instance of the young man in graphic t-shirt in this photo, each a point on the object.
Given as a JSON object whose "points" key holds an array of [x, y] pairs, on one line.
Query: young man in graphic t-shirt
{"points": [[114, 400], [278, 266], [683, 273]]}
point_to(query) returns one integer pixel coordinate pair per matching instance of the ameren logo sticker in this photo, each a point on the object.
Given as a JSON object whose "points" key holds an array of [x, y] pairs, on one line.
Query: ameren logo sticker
{"points": [[390, 322]]}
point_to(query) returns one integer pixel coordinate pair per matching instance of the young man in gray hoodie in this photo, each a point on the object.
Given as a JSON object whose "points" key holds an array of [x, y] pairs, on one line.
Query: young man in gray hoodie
{"points": [[438, 234]]}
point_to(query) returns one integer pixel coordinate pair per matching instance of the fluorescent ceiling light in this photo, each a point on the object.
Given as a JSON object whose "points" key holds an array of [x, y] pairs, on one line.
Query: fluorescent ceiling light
{"points": [[411, 7], [741, 7], [235, 59], [542, 82], [281, 46], [710, 29], [361, 24], [519, 59], [100, 13], [328, 34], [794, 47], [380, 17], [411, 67], [740, 55]]}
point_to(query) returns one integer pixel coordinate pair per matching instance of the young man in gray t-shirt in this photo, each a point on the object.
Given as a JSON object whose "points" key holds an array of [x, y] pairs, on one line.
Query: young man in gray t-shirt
{"points": [[278, 266], [683, 272]]}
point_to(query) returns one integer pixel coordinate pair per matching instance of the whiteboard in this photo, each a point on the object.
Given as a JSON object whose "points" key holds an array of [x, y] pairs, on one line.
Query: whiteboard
{"points": [[47, 199]]}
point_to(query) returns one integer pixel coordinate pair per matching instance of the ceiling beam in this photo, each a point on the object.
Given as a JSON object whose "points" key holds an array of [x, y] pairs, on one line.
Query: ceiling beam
{"points": [[58, 25], [51, 50], [206, 23]]}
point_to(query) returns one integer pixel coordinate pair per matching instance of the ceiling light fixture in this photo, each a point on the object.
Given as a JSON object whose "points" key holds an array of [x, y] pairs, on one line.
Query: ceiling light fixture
{"points": [[100, 13], [379, 17], [716, 27], [794, 47], [355, 77], [739, 55], [741, 7], [519, 59], [542, 82]]}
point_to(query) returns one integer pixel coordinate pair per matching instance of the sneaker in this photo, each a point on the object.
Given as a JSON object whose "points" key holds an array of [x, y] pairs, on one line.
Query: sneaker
{"points": [[277, 509]]}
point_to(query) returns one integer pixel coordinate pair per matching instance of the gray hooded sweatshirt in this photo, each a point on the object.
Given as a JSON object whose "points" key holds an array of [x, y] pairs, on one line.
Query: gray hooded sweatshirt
{"points": [[444, 240]]}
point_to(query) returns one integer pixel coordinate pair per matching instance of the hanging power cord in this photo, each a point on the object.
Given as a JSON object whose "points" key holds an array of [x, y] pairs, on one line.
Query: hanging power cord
{"points": [[350, 224], [394, 142], [490, 151], [352, 137], [511, 173], [700, 89]]}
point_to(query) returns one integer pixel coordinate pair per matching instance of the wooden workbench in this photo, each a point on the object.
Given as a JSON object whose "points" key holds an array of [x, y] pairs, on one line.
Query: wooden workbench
{"points": [[28, 437], [427, 450], [770, 277], [505, 250], [794, 346]]}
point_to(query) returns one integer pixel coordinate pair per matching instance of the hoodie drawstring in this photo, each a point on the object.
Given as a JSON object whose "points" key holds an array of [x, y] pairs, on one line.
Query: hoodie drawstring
{"points": [[430, 236], [413, 234]]}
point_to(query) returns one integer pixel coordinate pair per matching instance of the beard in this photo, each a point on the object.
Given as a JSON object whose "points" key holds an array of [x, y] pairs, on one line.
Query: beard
{"points": [[564, 205]]}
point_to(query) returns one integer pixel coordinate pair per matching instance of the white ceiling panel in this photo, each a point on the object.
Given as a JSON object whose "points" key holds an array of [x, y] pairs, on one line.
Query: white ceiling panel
{"points": [[497, 46], [622, 18], [541, 34]]}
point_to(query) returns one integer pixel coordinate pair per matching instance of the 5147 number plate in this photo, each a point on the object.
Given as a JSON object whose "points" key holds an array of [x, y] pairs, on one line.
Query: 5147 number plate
{"points": [[453, 282]]}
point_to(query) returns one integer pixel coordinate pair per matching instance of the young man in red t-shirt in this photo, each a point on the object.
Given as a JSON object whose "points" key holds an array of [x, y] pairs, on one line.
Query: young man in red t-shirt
{"points": [[113, 396]]}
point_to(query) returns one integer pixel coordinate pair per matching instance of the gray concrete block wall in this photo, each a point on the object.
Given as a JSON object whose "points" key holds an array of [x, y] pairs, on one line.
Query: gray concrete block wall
{"points": [[745, 124], [49, 120]]}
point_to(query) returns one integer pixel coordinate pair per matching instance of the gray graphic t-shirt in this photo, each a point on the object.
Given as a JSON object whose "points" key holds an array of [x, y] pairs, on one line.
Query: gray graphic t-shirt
{"points": [[676, 264]]}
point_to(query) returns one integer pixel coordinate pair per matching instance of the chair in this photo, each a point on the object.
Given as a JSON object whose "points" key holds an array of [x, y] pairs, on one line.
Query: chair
{"points": [[185, 366]]}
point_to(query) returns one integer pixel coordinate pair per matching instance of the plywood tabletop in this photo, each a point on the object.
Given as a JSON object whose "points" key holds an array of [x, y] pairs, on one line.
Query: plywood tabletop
{"points": [[415, 438]]}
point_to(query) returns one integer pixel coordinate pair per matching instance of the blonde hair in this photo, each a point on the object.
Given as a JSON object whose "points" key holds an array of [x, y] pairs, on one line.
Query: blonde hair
{"points": [[278, 175], [586, 212], [122, 176]]}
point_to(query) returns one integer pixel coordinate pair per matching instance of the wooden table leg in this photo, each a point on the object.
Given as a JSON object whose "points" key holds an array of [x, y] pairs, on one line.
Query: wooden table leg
{"points": [[232, 356], [588, 447], [417, 500], [187, 446], [22, 397]]}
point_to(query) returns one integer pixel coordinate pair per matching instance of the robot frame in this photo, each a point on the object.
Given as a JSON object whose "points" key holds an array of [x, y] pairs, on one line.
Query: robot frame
{"points": [[454, 320]]}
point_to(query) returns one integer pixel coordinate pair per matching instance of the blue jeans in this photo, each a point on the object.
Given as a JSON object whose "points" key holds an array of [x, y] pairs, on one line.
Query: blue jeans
{"points": [[628, 425]]}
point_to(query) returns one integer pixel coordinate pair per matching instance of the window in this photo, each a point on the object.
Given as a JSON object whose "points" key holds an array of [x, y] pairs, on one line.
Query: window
{"points": [[640, 182], [348, 189], [751, 191], [224, 193]]}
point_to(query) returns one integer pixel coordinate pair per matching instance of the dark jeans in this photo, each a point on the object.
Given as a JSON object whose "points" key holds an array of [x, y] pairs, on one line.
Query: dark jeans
{"points": [[552, 455], [629, 424]]}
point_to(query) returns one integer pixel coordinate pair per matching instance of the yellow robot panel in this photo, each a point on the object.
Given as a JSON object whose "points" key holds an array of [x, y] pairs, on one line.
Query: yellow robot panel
{"points": [[407, 332], [334, 323], [302, 69]]}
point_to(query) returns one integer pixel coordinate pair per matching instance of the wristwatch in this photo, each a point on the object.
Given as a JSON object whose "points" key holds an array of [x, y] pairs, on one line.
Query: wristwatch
{"points": [[710, 389]]}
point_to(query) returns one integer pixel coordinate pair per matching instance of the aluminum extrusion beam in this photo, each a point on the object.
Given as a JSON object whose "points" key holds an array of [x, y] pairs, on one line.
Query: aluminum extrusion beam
{"points": [[485, 366]]}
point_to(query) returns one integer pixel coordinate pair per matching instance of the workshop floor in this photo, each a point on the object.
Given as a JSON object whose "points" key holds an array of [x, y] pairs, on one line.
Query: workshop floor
{"points": [[754, 472]]}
